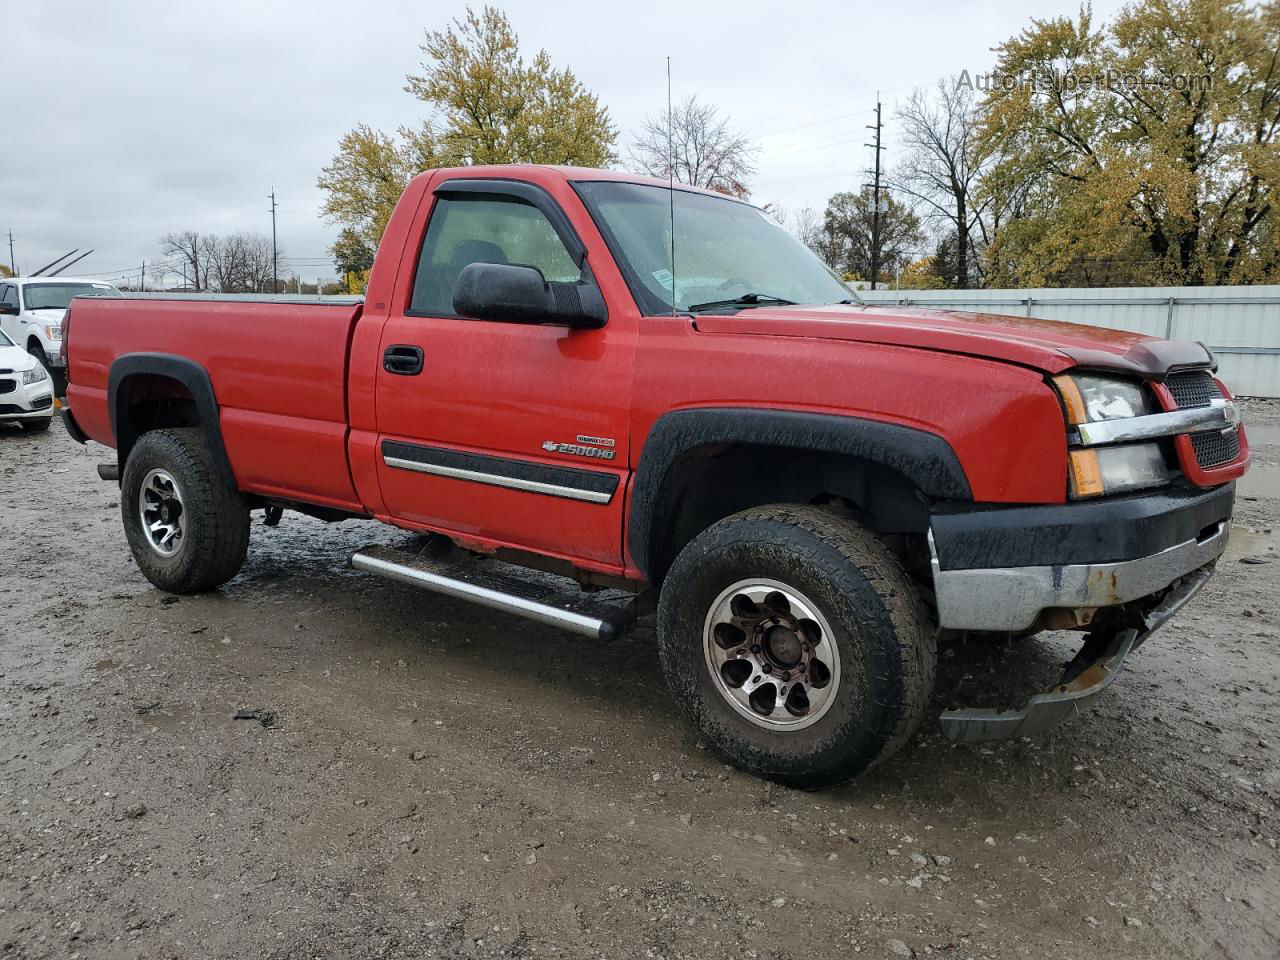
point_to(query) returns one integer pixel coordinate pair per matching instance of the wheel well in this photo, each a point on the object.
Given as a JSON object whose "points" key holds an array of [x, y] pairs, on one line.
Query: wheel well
{"points": [[145, 402], [34, 342], [709, 483]]}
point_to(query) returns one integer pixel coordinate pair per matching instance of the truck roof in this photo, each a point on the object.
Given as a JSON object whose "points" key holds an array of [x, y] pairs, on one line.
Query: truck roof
{"points": [[54, 279], [539, 171]]}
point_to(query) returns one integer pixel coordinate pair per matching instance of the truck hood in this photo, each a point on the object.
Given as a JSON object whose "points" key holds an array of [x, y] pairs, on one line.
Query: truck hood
{"points": [[52, 318], [1042, 344]]}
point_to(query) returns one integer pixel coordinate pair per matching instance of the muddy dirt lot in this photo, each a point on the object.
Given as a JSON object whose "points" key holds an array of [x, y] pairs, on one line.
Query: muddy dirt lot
{"points": [[441, 781]]}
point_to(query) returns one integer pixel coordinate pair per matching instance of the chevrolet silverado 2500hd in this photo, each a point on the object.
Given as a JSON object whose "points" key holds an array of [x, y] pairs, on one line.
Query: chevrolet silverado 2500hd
{"points": [[810, 491]]}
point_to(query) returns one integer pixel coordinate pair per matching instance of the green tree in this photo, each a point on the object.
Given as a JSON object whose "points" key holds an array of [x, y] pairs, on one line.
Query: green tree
{"points": [[1144, 152], [848, 227], [353, 259], [487, 105]]}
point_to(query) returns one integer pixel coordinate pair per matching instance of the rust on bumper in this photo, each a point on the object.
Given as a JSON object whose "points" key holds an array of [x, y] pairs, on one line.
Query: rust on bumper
{"points": [[1082, 683]]}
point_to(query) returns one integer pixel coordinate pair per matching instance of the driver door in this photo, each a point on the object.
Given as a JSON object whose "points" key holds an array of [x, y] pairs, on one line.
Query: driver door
{"points": [[510, 433]]}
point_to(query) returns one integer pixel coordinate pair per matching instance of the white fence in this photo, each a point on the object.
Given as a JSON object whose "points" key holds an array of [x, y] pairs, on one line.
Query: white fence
{"points": [[1240, 324]]}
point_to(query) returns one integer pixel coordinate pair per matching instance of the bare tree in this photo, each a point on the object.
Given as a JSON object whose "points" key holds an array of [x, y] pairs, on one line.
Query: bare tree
{"points": [[240, 263], [806, 225], [193, 250], [697, 146], [942, 171]]}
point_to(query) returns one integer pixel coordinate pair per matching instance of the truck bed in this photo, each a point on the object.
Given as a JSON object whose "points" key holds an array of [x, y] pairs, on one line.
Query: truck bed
{"points": [[278, 367]]}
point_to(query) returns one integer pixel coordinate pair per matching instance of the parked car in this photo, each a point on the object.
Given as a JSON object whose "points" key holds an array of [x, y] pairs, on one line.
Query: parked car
{"points": [[26, 392], [811, 491], [32, 308]]}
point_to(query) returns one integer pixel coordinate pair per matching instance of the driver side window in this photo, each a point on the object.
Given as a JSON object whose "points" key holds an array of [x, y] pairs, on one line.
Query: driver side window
{"points": [[467, 230], [9, 297]]}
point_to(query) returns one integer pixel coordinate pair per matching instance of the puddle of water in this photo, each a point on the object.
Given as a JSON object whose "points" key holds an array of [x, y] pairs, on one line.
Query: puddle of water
{"points": [[1262, 480], [1253, 542]]}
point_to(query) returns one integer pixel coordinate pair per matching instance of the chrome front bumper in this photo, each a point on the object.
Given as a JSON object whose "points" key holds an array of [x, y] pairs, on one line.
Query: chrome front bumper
{"points": [[1012, 598]]}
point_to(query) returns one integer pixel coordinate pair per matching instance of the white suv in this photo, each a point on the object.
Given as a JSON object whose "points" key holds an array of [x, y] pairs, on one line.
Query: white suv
{"points": [[26, 392], [31, 311]]}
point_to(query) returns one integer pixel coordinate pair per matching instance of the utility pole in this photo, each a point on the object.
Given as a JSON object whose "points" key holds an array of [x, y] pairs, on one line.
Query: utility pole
{"points": [[275, 282], [142, 277], [13, 266], [875, 199]]}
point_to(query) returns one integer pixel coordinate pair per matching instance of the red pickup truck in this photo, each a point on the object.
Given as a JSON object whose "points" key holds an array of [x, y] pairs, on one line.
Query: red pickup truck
{"points": [[662, 391]]}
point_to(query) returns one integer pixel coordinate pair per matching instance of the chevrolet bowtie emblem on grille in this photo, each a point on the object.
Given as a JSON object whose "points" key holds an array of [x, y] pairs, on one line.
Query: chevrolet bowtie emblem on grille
{"points": [[581, 448]]}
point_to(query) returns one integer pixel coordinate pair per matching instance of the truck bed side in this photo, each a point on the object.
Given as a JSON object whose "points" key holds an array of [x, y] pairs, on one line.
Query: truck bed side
{"points": [[277, 371]]}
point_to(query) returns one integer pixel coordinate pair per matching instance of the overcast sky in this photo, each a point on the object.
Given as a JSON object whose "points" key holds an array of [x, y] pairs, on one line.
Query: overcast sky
{"points": [[128, 120]]}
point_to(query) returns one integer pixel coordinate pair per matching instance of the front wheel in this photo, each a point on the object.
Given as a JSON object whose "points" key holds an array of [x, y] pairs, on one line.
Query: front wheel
{"points": [[187, 527], [796, 643]]}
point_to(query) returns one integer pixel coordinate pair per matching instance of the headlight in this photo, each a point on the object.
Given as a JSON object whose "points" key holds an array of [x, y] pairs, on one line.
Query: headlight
{"points": [[1099, 470], [1096, 471], [53, 333], [34, 375], [1089, 399]]}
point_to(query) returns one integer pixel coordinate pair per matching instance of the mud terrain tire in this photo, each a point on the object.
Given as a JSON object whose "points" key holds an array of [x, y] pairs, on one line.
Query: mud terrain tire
{"points": [[214, 518], [885, 657]]}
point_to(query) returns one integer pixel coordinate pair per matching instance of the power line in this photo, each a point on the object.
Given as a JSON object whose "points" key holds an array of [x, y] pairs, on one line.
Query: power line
{"points": [[815, 123]]}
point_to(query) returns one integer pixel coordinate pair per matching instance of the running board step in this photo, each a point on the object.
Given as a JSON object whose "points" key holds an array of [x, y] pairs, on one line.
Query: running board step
{"points": [[498, 591]]}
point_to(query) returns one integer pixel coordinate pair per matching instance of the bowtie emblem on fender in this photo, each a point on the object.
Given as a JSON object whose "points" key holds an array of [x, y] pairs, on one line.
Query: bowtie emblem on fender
{"points": [[592, 447]]}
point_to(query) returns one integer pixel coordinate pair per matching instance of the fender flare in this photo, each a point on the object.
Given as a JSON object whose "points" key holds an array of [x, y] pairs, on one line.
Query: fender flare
{"points": [[182, 370], [924, 458]]}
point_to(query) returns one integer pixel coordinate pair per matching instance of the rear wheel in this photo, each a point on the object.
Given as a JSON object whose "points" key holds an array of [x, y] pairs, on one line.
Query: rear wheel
{"points": [[797, 644], [187, 528]]}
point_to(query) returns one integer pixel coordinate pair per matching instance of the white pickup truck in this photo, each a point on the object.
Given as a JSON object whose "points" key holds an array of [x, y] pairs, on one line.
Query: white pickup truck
{"points": [[32, 308]]}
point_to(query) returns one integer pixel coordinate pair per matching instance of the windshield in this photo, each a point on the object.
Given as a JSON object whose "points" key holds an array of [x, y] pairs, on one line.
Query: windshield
{"points": [[57, 296], [5, 341], [725, 251]]}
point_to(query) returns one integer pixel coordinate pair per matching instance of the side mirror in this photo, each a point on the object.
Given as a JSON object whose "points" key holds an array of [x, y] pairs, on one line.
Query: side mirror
{"points": [[509, 293], [8, 309]]}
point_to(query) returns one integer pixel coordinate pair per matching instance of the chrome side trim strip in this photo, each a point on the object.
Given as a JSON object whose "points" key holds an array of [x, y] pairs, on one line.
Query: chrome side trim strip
{"points": [[1010, 598], [493, 479], [494, 599], [1219, 415]]}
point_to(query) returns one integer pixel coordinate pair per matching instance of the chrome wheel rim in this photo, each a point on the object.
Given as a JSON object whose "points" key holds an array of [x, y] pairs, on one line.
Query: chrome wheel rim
{"points": [[160, 508], [771, 654]]}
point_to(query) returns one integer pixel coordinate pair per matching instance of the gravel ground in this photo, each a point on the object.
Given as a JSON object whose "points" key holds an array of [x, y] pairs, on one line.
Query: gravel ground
{"points": [[440, 781]]}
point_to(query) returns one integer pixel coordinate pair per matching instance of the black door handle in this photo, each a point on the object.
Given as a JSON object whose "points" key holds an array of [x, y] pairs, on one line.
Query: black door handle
{"points": [[402, 359]]}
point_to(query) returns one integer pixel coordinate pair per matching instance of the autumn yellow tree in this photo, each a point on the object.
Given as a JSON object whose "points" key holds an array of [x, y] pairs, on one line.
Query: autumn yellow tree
{"points": [[1140, 152], [487, 105]]}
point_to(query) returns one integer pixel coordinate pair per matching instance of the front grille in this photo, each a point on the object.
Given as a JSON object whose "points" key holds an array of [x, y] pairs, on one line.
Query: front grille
{"points": [[1197, 389], [44, 403], [8, 386], [1215, 449]]}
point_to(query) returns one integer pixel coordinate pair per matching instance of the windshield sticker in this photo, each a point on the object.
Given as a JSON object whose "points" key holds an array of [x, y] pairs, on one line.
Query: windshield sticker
{"points": [[664, 277]]}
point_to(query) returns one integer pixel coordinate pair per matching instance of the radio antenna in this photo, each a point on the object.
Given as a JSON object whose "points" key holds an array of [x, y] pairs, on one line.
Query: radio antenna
{"points": [[671, 184]]}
